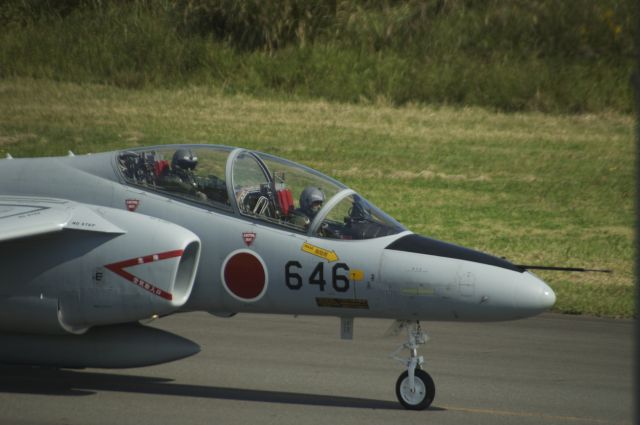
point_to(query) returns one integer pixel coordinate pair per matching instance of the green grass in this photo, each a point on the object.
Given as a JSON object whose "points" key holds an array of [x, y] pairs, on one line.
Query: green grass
{"points": [[535, 55], [535, 188]]}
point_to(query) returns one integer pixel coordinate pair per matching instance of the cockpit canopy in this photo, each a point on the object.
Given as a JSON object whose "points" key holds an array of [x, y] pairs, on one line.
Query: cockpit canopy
{"points": [[257, 186]]}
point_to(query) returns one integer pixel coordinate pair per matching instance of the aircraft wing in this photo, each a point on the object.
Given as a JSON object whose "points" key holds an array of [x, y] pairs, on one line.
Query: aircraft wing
{"points": [[24, 217]]}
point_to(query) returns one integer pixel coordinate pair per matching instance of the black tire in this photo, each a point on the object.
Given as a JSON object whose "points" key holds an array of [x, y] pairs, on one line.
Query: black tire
{"points": [[425, 390]]}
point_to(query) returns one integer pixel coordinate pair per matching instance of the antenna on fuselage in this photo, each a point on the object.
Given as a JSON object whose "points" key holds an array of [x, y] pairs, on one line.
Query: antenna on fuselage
{"points": [[563, 269]]}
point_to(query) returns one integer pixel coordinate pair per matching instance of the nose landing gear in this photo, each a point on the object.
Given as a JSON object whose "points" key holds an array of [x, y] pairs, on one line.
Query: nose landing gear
{"points": [[414, 388]]}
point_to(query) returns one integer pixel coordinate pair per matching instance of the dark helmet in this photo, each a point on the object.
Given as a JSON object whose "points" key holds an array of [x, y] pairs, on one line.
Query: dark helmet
{"points": [[311, 195], [185, 159]]}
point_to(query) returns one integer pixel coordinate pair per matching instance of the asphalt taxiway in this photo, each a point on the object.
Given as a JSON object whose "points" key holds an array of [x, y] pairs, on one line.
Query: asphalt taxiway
{"points": [[260, 369]]}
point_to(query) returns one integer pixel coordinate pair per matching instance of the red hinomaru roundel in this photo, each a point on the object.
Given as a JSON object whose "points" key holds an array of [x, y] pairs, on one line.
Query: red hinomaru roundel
{"points": [[244, 275]]}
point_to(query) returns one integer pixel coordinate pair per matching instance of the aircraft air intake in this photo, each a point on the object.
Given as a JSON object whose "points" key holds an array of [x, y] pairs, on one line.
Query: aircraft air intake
{"points": [[142, 267], [185, 274]]}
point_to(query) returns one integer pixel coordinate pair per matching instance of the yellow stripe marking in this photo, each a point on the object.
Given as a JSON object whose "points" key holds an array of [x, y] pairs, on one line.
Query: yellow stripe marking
{"points": [[531, 415]]}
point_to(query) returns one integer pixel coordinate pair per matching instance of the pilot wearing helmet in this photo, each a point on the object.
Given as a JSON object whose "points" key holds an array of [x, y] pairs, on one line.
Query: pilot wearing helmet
{"points": [[311, 200], [180, 177]]}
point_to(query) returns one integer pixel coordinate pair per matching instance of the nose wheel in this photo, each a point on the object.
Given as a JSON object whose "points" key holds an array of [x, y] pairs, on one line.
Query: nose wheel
{"points": [[421, 395], [414, 388]]}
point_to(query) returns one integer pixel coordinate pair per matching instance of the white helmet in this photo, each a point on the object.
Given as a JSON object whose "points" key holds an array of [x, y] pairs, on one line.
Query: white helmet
{"points": [[311, 200]]}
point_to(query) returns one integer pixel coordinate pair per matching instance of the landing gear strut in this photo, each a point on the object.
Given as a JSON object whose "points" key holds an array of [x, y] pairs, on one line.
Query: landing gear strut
{"points": [[415, 388]]}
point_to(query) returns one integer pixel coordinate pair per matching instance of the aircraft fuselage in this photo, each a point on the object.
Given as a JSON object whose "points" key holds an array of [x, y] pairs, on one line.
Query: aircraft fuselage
{"points": [[248, 265]]}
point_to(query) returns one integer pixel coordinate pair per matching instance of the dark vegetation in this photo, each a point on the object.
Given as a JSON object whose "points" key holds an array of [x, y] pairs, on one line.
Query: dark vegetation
{"points": [[510, 55]]}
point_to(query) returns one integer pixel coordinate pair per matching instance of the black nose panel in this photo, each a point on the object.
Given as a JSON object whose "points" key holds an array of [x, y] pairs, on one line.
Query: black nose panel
{"points": [[422, 245]]}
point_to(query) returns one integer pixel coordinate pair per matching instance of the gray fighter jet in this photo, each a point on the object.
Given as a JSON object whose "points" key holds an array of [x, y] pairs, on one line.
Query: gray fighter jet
{"points": [[94, 246]]}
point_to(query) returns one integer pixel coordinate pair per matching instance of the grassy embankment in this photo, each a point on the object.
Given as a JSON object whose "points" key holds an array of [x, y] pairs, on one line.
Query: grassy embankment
{"points": [[535, 188], [524, 55]]}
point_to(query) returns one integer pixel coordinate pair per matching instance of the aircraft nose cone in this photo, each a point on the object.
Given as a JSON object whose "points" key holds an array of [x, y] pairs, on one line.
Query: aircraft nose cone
{"points": [[535, 296], [547, 297]]}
